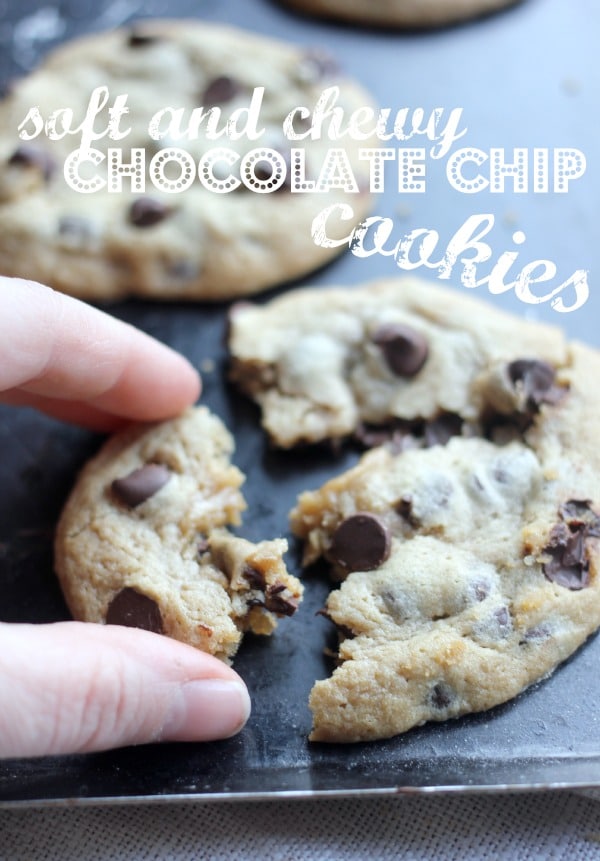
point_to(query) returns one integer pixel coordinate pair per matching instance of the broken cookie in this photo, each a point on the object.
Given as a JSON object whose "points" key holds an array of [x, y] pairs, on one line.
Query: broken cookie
{"points": [[394, 358], [468, 558], [142, 540]]}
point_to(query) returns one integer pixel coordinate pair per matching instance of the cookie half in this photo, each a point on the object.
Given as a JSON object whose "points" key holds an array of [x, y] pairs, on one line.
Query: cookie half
{"points": [[393, 359], [470, 570], [400, 13], [208, 243], [142, 540]]}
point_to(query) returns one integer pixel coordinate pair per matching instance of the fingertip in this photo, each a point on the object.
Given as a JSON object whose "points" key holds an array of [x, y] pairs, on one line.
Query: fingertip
{"points": [[73, 687], [206, 710]]}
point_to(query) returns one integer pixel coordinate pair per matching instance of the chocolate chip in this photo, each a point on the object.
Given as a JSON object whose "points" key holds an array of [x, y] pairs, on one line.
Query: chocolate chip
{"points": [[404, 349], [315, 65], [399, 606], [537, 634], [578, 514], [503, 622], [361, 542], [481, 590], [404, 508], [440, 430], [568, 565], [141, 484], [441, 696], [134, 610], [255, 578], [275, 602], [344, 631], [31, 156], [536, 381], [140, 39], [220, 90], [146, 212]]}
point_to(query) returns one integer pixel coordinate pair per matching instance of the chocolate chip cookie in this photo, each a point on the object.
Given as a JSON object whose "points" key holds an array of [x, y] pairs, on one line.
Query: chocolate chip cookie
{"points": [[160, 209], [142, 540], [394, 359], [400, 13], [469, 558]]}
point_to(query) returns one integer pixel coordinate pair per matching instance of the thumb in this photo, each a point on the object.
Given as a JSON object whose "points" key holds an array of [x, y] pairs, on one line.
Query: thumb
{"points": [[72, 687]]}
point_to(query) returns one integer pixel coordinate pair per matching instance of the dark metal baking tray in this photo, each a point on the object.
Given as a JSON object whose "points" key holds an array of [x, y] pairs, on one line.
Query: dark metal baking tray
{"points": [[527, 77]]}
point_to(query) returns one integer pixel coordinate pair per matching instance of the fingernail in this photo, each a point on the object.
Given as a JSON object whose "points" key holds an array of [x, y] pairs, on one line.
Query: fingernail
{"points": [[207, 709]]}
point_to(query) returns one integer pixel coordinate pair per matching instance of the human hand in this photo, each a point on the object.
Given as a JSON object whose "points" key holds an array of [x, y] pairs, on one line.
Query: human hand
{"points": [[73, 687]]}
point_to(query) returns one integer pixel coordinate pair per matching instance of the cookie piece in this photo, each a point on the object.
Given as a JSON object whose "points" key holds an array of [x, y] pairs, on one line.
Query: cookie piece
{"points": [[190, 244], [400, 13], [394, 358], [487, 576], [142, 540]]}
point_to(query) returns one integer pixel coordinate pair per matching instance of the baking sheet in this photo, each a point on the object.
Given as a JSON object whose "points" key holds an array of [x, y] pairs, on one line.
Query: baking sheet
{"points": [[526, 77]]}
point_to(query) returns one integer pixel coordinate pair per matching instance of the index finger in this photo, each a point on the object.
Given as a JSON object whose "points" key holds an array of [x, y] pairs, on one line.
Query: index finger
{"points": [[54, 347]]}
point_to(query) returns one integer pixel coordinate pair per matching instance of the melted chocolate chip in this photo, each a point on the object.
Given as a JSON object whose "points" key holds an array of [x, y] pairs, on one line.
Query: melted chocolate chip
{"points": [[141, 484], [503, 622], [134, 610], [404, 349], [481, 590], [255, 578], [568, 565], [537, 634], [344, 631], [140, 39], [275, 602], [536, 380], [440, 430], [578, 514], [441, 696], [30, 156], [220, 90], [146, 212], [404, 508], [402, 434], [203, 546], [361, 542]]}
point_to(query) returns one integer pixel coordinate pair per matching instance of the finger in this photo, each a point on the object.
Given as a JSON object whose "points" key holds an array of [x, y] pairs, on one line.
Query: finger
{"points": [[73, 687], [74, 412], [55, 346]]}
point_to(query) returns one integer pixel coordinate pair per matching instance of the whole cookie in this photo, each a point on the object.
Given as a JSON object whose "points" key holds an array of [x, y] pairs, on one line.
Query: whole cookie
{"points": [[141, 541], [211, 241], [392, 359], [468, 542], [401, 13]]}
